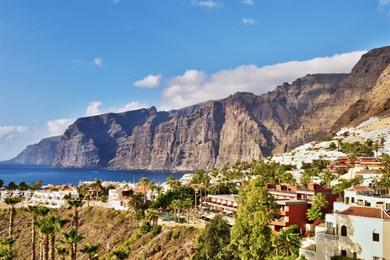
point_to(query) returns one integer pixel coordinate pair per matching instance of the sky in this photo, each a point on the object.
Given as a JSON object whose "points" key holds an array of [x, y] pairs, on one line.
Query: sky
{"points": [[60, 60]]}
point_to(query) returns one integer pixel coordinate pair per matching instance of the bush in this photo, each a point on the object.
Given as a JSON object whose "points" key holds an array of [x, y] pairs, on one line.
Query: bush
{"points": [[139, 214], [144, 228], [156, 229]]}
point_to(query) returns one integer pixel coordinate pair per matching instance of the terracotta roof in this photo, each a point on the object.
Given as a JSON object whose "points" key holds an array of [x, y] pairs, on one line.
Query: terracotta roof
{"points": [[361, 188], [367, 212]]}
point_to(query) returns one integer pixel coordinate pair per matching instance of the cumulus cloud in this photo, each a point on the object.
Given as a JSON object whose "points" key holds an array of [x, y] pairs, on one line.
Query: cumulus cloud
{"points": [[8, 133], [58, 126], [248, 21], [196, 86], [98, 62], [94, 108], [248, 2], [208, 4], [150, 81]]}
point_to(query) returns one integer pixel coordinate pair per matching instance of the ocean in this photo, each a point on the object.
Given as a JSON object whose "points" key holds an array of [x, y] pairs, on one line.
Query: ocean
{"points": [[49, 175]]}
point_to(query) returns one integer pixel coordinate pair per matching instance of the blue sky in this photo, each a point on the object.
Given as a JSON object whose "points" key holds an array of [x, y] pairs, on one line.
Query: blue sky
{"points": [[60, 60]]}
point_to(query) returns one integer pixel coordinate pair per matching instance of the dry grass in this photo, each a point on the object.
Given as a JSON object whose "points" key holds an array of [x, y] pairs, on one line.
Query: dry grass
{"points": [[111, 229]]}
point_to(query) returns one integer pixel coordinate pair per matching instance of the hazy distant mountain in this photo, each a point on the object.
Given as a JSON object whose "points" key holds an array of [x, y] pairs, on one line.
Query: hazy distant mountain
{"points": [[41, 153], [241, 127]]}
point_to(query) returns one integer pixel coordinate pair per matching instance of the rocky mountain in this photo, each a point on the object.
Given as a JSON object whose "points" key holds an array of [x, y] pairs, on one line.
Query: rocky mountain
{"points": [[41, 153], [243, 126]]}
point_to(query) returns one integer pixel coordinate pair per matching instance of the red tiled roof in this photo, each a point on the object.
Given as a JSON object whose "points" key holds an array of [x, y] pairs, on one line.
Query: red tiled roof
{"points": [[361, 188], [366, 212]]}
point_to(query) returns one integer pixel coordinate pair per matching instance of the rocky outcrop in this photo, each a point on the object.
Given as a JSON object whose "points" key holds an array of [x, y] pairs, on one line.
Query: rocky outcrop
{"points": [[41, 153], [241, 127]]}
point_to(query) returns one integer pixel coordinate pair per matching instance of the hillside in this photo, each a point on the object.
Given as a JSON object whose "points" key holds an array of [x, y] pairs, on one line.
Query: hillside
{"points": [[242, 126], [172, 243]]}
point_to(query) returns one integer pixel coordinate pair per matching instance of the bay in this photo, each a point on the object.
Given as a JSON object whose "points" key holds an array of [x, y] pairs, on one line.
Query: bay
{"points": [[49, 175]]}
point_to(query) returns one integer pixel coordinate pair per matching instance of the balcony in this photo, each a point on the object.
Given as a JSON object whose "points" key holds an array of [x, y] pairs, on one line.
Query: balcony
{"points": [[325, 235], [309, 252]]}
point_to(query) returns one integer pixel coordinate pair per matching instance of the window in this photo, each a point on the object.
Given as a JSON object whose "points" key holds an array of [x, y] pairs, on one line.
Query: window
{"points": [[354, 255], [375, 258], [375, 236], [353, 200], [343, 231], [343, 253]]}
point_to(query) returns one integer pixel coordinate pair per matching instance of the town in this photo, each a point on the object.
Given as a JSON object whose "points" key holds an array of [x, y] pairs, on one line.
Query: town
{"points": [[328, 208]]}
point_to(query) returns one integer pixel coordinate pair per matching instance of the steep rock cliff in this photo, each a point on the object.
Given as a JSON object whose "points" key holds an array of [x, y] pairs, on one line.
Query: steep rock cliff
{"points": [[242, 126]]}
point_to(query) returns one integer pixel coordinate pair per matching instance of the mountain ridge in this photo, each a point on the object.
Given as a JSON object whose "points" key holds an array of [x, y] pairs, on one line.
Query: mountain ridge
{"points": [[242, 126]]}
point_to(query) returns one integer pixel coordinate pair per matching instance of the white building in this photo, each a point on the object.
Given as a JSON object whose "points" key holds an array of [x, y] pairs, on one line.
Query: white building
{"points": [[52, 199], [119, 198], [366, 196], [356, 232], [24, 194]]}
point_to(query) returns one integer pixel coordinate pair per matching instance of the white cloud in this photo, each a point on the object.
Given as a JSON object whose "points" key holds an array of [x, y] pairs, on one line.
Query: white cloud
{"points": [[384, 2], [248, 21], [197, 86], [58, 126], [384, 6], [98, 62], [8, 133], [94, 108], [248, 2], [208, 4], [150, 81]]}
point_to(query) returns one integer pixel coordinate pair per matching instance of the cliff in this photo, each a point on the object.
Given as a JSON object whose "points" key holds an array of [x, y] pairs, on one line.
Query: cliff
{"points": [[41, 153], [241, 127]]}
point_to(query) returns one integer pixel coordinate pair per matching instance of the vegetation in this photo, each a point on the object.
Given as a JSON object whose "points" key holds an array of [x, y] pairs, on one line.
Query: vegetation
{"points": [[213, 240], [315, 212], [250, 234]]}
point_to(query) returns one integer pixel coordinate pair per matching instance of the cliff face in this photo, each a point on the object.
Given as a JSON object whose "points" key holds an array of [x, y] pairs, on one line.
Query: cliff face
{"points": [[42, 153], [241, 127]]}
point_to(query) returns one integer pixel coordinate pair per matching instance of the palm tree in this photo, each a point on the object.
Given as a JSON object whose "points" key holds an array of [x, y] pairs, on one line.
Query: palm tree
{"points": [[33, 210], [58, 225], [75, 204], [171, 181], [72, 238], [62, 251], [288, 242], [41, 212], [45, 227], [144, 183], [136, 201], [152, 216], [187, 204], [91, 250], [12, 201]]}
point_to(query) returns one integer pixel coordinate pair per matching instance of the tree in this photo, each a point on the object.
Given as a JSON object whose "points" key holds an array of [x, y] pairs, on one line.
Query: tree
{"points": [[213, 240], [326, 178], [250, 234], [91, 250], [12, 201], [385, 171], [23, 186], [144, 183], [1, 183], [75, 204], [315, 212], [62, 252], [151, 217], [12, 186], [35, 211], [72, 238], [45, 227], [288, 242]]}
